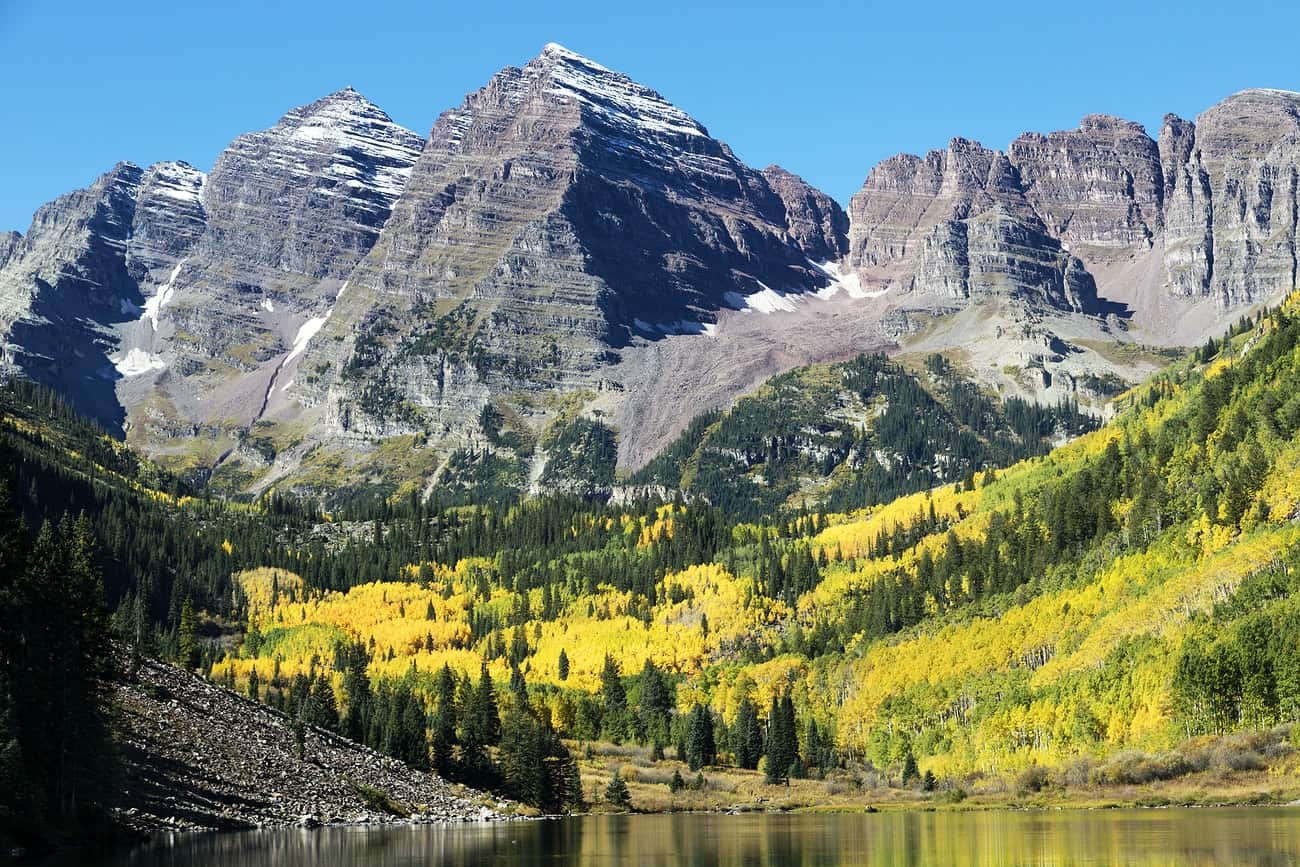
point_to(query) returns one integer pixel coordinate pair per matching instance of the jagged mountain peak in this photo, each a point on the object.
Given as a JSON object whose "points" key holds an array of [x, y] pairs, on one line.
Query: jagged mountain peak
{"points": [[613, 95], [347, 119], [556, 51]]}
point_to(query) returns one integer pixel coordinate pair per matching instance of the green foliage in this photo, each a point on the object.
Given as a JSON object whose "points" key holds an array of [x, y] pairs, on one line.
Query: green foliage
{"points": [[782, 746], [615, 722], [701, 747], [865, 431], [616, 793], [581, 457], [379, 800], [535, 766], [747, 736], [55, 669]]}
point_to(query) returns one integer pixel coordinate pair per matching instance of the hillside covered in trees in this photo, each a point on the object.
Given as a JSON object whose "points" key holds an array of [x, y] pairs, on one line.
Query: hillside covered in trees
{"points": [[1077, 609], [854, 434]]}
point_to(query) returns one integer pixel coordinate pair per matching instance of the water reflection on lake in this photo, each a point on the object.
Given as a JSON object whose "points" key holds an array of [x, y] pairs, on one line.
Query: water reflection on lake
{"points": [[1061, 838]]}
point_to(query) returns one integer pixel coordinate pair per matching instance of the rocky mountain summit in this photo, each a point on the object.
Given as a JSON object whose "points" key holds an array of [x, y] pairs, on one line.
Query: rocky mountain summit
{"points": [[342, 302], [557, 216]]}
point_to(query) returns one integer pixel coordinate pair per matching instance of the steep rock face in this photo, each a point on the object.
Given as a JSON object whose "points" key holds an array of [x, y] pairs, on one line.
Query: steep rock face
{"points": [[1099, 186], [997, 254], [909, 204], [9, 242], [290, 211], [1244, 168], [169, 218], [559, 214], [1214, 201], [1189, 223], [815, 221], [64, 283], [959, 225]]}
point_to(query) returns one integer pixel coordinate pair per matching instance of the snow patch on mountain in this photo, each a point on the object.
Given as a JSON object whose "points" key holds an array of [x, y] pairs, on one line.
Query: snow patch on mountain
{"points": [[613, 96], [306, 332], [681, 326], [137, 362], [180, 181], [370, 151], [841, 281], [154, 304]]}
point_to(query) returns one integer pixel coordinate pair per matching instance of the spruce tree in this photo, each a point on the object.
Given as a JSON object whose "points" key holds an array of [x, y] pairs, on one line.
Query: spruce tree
{"points": [[616, 793], [480, 728], [701, 748], [442, 731], [563, 665], [614, 717], [747, 736], [520, 756], [782, 747], [655, 705], [325, 710], [910, 771], [187, 646]]}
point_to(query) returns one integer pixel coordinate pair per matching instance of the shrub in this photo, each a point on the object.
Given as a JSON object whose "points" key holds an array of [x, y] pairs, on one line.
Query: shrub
{"points": [[1136, 769], [378, 800], [1032, 779]]}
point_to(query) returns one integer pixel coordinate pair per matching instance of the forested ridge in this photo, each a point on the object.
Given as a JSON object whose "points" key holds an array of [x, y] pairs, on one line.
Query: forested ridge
{"points": [[1124, 592], [854, 434]]}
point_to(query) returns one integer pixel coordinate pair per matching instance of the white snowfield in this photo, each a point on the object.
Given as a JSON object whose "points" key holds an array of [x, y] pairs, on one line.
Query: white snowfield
{"points": [[769, 300], [154, 304], [305, 333], [137, 362]]}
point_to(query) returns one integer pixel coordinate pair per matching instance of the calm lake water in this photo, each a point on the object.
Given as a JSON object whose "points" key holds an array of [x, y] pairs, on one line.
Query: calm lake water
{"points": [[1064, 838]]}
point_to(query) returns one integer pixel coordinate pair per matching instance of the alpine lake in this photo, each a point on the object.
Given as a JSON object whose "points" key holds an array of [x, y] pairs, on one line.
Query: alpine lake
{"points": [[1061, 838]]}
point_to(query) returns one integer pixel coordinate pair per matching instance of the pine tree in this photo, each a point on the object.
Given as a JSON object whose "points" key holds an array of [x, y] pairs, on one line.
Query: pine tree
{"points": [[616, 793], [614, 717], [747, 736], [910, 771], [187, 653], [701, 748], [782, 747], [325, 710], [521, 753], [563, 665], [656, 704], [479, 728], [442, 731]]}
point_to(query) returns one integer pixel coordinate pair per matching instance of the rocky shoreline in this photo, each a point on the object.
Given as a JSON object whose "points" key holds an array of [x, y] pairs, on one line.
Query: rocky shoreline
{"points": [[200, 757]]}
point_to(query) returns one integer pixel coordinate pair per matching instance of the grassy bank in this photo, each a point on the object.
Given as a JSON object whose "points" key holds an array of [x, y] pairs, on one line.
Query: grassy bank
{"points": [[1241, 769]]}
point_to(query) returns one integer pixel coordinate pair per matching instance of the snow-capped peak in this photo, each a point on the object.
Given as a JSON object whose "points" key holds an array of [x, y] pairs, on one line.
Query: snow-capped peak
{"points": [[555, 49], [613, 96], [369, 150]]}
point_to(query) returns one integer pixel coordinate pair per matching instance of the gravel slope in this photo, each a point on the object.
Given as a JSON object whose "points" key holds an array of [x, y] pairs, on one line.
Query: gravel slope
{"points": [[199, 756]]}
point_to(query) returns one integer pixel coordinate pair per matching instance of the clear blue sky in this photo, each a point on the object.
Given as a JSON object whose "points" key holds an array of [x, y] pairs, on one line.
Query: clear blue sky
{"points": [[825, 89]]}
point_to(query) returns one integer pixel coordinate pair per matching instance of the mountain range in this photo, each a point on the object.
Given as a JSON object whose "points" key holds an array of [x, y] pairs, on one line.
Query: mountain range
{"points": [[341, 301]]}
